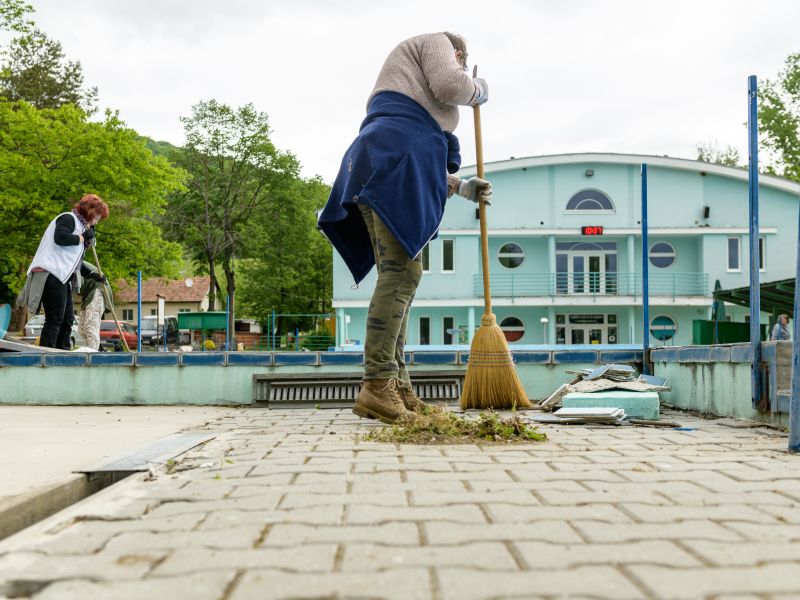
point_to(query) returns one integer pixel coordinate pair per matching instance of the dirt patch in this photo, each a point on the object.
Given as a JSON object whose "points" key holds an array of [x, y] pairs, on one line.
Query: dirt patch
{"points": [[437, 426]]}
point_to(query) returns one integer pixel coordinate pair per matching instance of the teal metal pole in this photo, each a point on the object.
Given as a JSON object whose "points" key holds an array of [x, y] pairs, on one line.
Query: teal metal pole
{"points": [[645, 279], [755, 285], [794, 401], [227, 323], [139, 311]]}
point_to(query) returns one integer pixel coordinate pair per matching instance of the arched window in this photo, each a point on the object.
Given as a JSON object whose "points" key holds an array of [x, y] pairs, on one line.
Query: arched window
{"points": [[512, 328], [511, 255], [590, 200], [662, 255]]}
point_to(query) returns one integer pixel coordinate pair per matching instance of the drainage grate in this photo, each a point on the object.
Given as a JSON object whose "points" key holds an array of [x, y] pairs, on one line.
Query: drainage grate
{"points": [[336, 390]]}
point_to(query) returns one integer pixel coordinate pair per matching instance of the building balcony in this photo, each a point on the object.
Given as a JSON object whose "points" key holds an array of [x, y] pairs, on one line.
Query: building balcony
{"points": [[593, 284]]}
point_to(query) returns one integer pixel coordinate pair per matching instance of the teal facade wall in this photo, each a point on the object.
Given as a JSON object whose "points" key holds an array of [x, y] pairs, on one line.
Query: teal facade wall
{"points": [[529, 209]]}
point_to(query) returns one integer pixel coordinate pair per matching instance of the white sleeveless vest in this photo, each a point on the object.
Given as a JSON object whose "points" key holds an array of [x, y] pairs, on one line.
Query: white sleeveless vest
{"points": [[61, 261]]}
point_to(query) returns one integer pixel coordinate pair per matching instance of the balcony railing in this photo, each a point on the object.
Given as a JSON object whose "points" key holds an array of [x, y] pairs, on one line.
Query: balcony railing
{"points": [[593, 284]]}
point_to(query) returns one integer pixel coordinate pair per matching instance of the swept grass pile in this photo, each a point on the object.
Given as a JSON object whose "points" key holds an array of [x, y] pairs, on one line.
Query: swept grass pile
{"points": [[437, 426]]}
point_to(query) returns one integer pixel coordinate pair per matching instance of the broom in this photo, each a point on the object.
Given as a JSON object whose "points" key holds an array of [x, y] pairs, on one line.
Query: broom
{"points": [[491, 380]]}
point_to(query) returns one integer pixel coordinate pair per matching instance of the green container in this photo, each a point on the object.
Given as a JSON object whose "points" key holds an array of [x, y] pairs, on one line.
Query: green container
{"points": [[727, 332], [202, 320], [637, 405]]}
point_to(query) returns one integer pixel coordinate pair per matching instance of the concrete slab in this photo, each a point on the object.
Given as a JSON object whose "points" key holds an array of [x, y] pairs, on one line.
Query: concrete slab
{"points": [[43, 445], [639, 405]]}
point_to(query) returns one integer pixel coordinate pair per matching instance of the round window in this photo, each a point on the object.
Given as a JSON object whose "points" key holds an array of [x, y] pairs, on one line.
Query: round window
{"points": [[662, 255], [663, 328], [512, 328], [511, 255]]}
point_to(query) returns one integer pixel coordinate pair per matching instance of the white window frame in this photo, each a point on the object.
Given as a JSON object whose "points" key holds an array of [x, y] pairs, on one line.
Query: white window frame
{"points": [[501, 254], [454, 336], [674, 254], [125, 312], [728, 254], [762, 253], [419, 330], [425, 253], [452, 241]]}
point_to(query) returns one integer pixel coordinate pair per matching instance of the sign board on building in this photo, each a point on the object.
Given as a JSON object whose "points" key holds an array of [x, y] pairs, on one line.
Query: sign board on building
{"points": [[592, 230]]}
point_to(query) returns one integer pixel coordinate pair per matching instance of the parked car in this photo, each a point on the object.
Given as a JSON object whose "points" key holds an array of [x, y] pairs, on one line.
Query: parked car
{"points": [[152, 333], [109, 336], [33, 329]]}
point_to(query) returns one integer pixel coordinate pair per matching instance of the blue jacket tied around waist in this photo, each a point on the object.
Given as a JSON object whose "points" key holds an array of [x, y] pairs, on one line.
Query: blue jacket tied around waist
{"points": [[397, 167]]}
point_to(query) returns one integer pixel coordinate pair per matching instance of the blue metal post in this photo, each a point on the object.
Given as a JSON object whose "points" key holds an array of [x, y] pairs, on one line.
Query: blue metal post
{"points": [[139, 311], [272, 327], [794, 402], [297, 339], [755, 287], [645, 279], [227, 323]]}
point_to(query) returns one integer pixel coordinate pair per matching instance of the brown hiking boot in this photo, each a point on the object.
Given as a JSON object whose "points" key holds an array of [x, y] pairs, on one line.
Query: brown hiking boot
{"points": [[410, 399], [379, 399]]}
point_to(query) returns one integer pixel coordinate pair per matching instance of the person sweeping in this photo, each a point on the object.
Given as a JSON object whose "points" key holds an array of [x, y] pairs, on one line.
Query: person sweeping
{"points": [[54, 271], [388, 199]]}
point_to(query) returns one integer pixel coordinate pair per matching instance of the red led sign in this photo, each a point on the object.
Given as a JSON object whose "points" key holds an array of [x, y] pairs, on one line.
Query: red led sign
{"points": [[592, 230]]}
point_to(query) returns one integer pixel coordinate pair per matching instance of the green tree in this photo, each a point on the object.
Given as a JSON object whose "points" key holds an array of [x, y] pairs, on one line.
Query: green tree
{"points": [[710, 152], [50, 158], [291, 268], [236, 173], [779, 119], [35, 69], [13, 15]]}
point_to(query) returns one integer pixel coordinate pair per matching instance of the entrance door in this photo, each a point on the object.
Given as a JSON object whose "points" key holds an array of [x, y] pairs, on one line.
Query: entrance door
{"points": [[587, 334]]}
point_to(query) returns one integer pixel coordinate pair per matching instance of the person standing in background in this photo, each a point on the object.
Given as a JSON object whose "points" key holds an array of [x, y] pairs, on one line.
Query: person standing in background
{"points": [[56, 267]]}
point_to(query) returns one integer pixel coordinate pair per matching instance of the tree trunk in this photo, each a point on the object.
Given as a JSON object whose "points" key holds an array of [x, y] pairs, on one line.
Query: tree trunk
{"points": [[212, 285], [227, 266]]}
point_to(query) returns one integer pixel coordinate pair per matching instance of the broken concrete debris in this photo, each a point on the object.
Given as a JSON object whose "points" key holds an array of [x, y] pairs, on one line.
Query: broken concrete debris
{"points": [[608, 386]]}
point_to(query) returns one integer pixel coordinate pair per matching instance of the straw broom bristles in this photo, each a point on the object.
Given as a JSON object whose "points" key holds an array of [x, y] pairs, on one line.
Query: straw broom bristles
{"points": [[491, 380]]}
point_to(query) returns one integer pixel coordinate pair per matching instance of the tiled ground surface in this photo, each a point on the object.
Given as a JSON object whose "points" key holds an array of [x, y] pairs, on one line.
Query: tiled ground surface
{"points": [[291, 504]]}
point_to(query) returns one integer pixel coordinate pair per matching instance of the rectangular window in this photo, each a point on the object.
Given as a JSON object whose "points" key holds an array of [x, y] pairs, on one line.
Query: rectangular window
{"points": [[127, 314], [424, 331], [762, 254], [562, 283], [184, 310], [153, 312], [426, 258], [448, 263], [448, 329], [734, 254]]}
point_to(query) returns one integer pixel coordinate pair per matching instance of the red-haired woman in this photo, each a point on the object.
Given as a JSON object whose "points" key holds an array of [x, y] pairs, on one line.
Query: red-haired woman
{"points": [[52, 274]]}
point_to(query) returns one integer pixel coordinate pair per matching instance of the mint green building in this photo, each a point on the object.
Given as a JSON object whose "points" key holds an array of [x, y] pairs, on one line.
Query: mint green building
{"points": [[566, 252]]}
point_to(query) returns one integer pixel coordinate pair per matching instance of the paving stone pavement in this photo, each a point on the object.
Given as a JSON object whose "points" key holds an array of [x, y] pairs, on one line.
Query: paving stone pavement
{"points": [[294, 504]]}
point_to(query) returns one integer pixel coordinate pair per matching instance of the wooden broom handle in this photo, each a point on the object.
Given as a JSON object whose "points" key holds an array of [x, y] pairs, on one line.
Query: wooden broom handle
{"points": [[487, 294]]}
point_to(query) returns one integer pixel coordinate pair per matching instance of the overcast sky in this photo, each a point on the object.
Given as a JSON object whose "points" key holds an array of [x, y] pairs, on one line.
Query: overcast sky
{"points": [[655, 77]]}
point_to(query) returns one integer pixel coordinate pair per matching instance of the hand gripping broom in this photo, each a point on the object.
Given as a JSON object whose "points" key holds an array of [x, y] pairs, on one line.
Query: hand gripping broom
{"points": [[491, 380]]}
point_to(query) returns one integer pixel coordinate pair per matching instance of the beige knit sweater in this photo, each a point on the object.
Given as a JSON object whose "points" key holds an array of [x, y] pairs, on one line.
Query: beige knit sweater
{"points": [[425, 69]]}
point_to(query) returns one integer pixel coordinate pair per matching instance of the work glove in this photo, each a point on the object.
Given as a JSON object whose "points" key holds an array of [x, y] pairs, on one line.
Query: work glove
{"points": [[97, 277], [88, 237], [476, 189], [481, 92]]}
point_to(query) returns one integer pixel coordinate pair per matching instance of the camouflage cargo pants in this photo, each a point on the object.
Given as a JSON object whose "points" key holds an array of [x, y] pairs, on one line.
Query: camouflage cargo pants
{"points": [[387, 319]]}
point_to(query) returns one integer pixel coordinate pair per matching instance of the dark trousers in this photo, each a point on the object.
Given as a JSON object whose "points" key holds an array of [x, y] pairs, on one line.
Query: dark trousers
{"points": [[58, 314]]}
